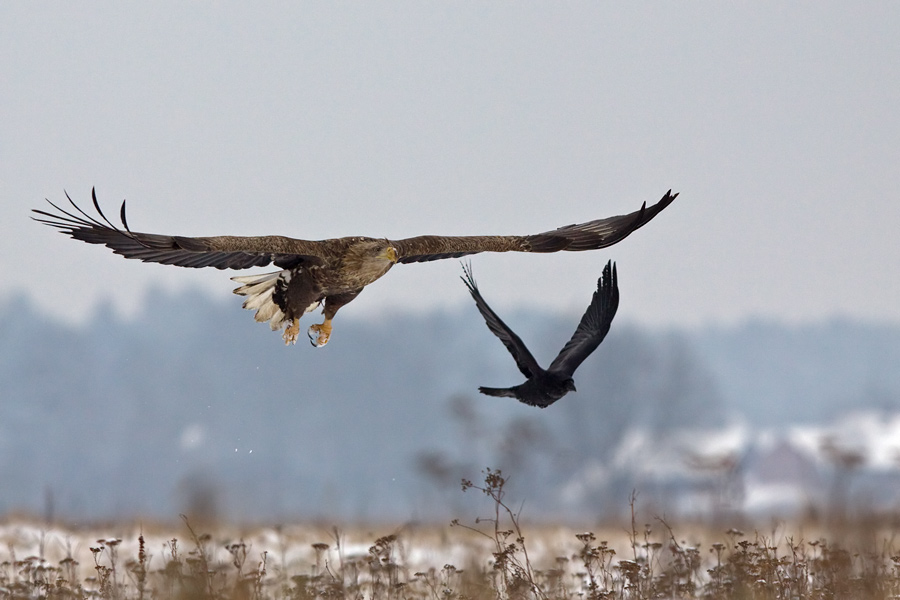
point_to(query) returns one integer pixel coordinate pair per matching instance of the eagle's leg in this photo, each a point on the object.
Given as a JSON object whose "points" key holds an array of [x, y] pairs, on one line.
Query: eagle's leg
{"points": [[319, 334], [291, 332]]}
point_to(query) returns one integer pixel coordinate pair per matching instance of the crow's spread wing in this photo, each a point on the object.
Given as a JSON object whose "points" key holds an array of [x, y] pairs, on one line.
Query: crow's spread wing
{"points": [[221, 252], [524, 360], [594, 324], [586, 236]]}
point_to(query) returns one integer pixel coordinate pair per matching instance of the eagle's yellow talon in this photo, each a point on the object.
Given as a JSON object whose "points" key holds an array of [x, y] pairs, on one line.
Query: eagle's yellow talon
{"points": [[291, 332], [319, 334]]}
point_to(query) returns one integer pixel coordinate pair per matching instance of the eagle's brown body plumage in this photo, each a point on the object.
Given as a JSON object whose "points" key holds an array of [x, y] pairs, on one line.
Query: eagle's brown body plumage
{"points": [[332, 271]]}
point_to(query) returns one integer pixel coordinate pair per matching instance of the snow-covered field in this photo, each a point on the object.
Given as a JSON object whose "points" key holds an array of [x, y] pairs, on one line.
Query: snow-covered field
{"points": [[29, 549], [650, 556]]}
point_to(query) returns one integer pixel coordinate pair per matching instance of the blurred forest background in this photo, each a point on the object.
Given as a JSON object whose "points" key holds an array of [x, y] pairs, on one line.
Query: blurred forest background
{"points": [[777, 123], [191, 406]]}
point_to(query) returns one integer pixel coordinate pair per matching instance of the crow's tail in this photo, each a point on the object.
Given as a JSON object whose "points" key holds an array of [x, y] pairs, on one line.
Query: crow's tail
{"points": [[500, 392]]}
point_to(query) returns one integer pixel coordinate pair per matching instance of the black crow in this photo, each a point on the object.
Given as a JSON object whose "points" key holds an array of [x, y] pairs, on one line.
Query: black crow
{"points": [[544, 387]]}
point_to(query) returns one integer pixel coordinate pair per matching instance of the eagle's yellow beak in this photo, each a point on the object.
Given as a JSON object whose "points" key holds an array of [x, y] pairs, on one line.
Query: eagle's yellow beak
{"points": [[390, 254]]}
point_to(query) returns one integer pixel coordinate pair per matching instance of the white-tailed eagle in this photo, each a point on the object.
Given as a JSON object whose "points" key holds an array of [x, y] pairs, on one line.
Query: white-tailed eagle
{"points": [[330, 272]]}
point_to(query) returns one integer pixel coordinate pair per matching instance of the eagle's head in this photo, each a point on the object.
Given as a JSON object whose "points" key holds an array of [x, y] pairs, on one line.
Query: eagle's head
{"points": [[370, 259], [382, 251]]}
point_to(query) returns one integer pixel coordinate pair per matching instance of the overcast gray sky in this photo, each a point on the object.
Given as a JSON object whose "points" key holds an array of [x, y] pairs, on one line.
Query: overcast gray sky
{"points": [[779, 124]]}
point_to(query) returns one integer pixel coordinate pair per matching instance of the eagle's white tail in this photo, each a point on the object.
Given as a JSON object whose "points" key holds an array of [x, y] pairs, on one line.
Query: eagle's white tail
{"points": [[259, 290]]}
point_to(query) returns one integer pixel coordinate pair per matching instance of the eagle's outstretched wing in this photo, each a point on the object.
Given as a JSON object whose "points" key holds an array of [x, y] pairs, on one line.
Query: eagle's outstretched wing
{"points": [[523, 357], [594, 325], [221, 252], [236, 252], [586, 236]]}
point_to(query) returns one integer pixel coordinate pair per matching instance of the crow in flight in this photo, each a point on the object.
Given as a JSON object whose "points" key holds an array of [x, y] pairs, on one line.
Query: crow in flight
{"points": [[544, 387]]}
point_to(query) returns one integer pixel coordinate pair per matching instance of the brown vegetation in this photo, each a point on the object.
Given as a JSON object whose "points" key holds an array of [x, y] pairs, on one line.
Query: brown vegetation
{"points": [[492, 557]]}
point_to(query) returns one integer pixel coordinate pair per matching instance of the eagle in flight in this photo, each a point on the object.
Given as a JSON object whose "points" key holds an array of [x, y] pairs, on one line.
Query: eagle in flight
{"points": [[543, 387], [331, 272]]}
